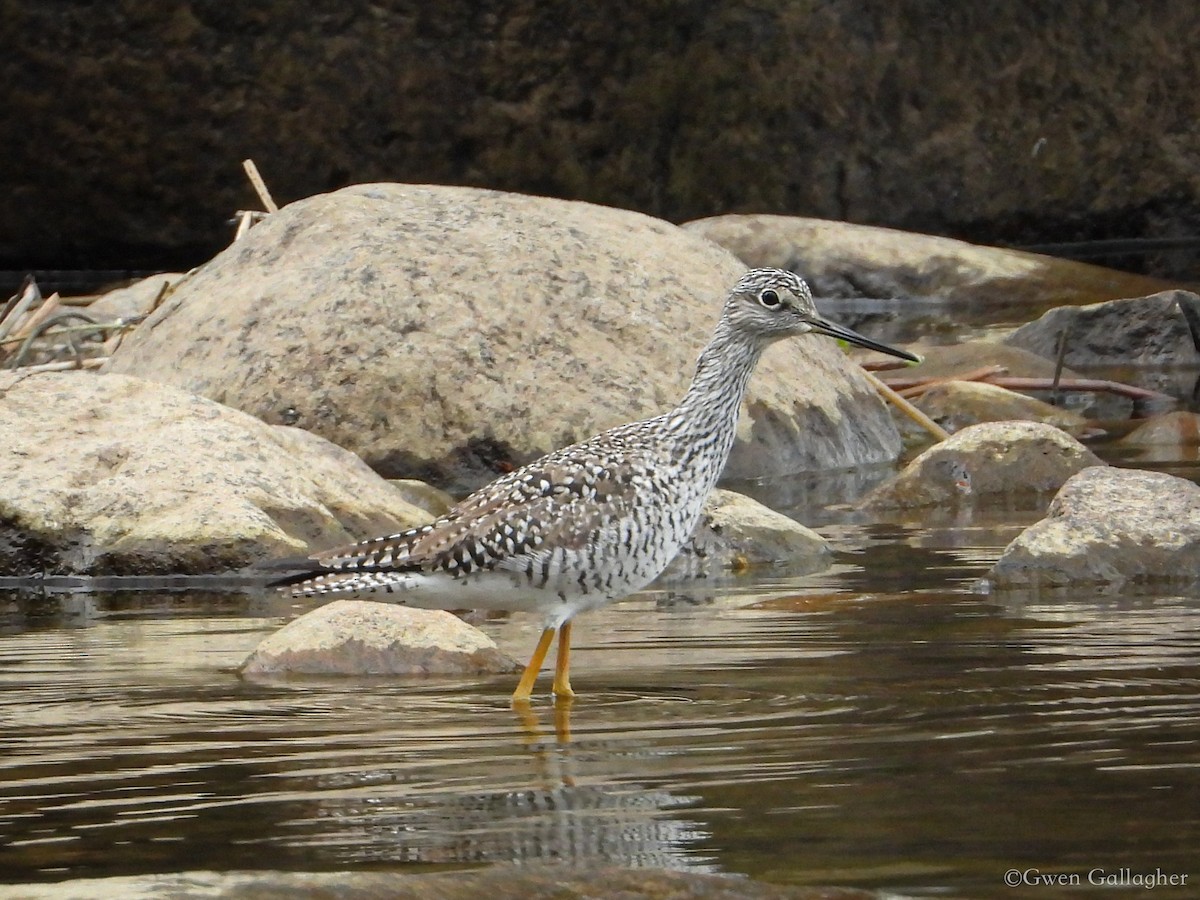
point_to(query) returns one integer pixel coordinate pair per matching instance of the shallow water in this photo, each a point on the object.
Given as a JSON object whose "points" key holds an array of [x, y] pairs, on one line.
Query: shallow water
{"points": [[882, 725]]}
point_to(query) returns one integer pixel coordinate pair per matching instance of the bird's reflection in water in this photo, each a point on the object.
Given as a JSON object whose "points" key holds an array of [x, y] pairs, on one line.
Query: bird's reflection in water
{"points": [[535, 732]]}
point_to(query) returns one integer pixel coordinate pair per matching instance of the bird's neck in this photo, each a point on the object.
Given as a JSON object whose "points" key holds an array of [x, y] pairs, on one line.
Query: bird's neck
{"points": [[706, 418]]}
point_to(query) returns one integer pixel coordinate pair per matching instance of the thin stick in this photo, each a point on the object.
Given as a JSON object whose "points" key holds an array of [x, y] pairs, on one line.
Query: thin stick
{"points": [[907, 408], [1058, 365], [243, 225], [983, 373], [40, 315], [63, 366], [1020, 383], [260, 186], [29, 296]]}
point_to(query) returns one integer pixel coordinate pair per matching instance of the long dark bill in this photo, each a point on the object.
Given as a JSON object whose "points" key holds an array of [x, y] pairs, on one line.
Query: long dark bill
{"points": [[842, 333]]}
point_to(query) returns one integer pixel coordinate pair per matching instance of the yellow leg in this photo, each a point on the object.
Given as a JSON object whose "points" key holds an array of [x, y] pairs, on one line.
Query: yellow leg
{"points": [[525, 686], [562, 668]]}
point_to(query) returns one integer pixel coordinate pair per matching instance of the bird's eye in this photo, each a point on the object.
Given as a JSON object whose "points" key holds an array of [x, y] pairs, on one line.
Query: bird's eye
{"points": [[769, 299]]}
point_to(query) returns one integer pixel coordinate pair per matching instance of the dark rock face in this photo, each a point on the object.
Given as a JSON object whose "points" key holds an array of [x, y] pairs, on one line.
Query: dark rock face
{"points": [[1154, 330], [125, 122]]}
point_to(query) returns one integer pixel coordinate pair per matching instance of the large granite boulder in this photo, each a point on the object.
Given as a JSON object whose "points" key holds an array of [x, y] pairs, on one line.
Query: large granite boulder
{"points": [[1109, 526], [124, 122], [112, 475], [450, 333]]}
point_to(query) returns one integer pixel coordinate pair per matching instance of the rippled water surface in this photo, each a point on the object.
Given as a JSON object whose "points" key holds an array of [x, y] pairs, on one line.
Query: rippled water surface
{"points": [[879, 725]]}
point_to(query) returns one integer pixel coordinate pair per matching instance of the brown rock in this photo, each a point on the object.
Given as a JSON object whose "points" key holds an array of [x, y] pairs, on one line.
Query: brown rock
{"points": [[737, 533], [1173, 429]]}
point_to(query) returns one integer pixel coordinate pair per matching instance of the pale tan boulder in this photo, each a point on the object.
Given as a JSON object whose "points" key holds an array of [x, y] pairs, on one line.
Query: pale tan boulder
{"points": [[111, 474], [449, 333], [842, 259], [362, 637]]}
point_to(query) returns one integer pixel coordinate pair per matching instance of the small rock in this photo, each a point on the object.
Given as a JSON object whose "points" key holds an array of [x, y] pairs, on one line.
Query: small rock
{"points": [[1153, 330], [737, 532], [361, 637], [1174, 429], [994, 457], [1109, 526], [956, 405]]}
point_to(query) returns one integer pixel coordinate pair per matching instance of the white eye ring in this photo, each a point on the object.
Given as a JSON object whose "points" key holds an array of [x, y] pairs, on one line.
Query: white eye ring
{"points": [[769, 299]]}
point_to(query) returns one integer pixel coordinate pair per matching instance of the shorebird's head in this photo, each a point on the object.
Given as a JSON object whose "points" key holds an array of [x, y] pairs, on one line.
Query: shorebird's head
{"points": [[771, 304]]}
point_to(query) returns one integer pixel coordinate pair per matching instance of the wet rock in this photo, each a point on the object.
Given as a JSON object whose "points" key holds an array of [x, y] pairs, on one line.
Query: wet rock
{"points": [[736, 533], [1174, 429], [450, 333], [1109, 526], [956, 405], [1153, 330], [840, 259], [116, 475], [994, 457], [530, 881], [361, 637]]}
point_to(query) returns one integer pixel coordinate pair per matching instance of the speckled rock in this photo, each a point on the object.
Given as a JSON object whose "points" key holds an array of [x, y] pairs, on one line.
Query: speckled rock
{"points": [[737, 533], [361, 637], [1109, 526], [450, 333], [116, 475], [997, 457]]}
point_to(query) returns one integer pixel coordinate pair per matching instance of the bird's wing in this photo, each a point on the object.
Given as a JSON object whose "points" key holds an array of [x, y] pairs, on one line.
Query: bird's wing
{"points": [[555, 502]]}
